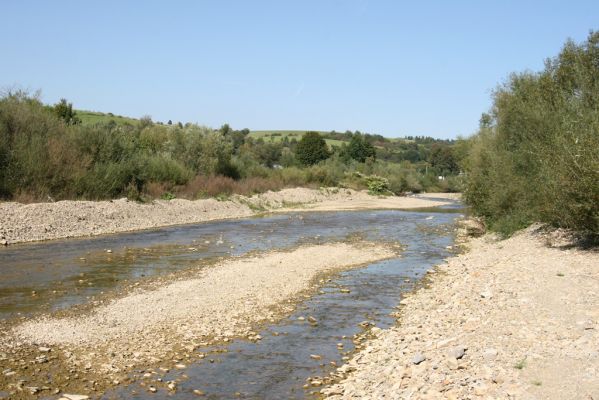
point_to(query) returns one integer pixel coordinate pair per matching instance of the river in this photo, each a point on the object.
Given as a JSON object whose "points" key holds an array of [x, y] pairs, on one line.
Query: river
{"points": [[43, 277]]}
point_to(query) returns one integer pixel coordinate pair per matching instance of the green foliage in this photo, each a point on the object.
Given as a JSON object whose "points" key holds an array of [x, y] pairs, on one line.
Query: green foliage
{"points": [[377, 185], [536, 155], [45, 152], [64, 111], [443, 160], [311, 149], [360, 149]]}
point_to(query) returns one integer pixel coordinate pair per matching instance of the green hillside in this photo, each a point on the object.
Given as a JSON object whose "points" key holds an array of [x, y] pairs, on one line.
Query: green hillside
{"points": [[278, 136], [94, 117]]}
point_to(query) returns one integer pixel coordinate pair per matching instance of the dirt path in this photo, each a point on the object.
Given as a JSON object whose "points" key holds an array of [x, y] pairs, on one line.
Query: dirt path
{"points": [[65, 219], [509, 319], [168, 321]]}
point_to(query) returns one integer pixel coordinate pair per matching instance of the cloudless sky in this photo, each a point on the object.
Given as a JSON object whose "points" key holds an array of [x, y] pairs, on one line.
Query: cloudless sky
{"points": [[390, 67]]}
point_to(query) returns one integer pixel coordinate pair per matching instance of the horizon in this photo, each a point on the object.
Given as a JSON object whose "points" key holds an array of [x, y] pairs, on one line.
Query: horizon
{"points": [[380, 68]]}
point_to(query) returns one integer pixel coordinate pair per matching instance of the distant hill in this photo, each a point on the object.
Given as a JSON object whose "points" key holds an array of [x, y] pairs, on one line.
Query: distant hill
{"points": [[391, 149], [278, 136], [95, 117]]}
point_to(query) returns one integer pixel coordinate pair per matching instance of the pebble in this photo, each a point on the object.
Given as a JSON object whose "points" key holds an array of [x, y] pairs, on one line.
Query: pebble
{"points": [[457, 352], [75, 396], [418, 358], [489, 354]]}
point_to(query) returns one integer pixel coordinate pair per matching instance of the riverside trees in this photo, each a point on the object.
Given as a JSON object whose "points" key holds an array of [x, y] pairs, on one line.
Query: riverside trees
{"points": [[536, 156]]}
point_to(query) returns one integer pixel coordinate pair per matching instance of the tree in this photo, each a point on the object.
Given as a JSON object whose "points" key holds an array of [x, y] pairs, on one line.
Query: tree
{"points": [[268, 154], [64, 111], [311, 149], [443, 160], [360, 149]]}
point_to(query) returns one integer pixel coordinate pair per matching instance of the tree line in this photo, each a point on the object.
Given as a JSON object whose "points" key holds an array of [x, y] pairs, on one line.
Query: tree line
{"points": [[47, 152]]}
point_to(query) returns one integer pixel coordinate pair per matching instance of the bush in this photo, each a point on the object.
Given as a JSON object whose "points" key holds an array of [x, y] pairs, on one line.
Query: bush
{"points": [[377, 185], [536, 156], [45, 151]]}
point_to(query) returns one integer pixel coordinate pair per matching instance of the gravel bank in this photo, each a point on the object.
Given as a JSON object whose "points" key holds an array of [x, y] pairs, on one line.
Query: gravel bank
{"points": [[65, 219], [509, 319], [220, 302]]}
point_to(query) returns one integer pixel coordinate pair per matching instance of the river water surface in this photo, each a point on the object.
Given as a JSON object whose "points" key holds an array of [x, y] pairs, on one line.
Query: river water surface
{"points": [[43, 277]]}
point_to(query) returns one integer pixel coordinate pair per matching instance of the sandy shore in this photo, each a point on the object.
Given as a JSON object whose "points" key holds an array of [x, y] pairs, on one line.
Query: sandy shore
{"points": [[65, 219], [165, 323], [515, 319]]}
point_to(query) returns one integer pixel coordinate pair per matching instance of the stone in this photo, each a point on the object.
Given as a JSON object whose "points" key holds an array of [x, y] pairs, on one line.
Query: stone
{"points": [[486, 294], [198, 392], [458, 352], [480, 389], [489, 354], [152, 389], [452, 363], [345, 291], [418, 358], [315, 356], [333, 390], [75, 396]]}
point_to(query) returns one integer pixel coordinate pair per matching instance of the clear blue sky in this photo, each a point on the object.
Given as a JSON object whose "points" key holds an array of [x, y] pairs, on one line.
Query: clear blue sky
{"points": [[389, 67]]}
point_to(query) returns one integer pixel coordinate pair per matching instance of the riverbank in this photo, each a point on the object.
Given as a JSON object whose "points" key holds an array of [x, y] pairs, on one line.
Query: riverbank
{"points": [[66, 219], [168, 321], [516, 319]]}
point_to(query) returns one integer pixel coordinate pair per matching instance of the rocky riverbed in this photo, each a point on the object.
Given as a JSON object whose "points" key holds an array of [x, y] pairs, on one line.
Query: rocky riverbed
{"points": [[164, 323], [511, 319], [65, 219]]}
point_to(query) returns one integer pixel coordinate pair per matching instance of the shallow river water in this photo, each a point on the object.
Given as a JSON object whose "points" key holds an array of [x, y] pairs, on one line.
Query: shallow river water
{"points": [[54, 275]]}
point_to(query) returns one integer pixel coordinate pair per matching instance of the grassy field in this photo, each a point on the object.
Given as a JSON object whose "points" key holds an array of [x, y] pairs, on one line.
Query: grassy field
{"points": [[277, 136], [93, 117]]}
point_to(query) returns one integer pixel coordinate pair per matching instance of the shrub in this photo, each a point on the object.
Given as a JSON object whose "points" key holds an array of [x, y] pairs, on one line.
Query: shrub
{"points": [[377, 185], [535, 157]]}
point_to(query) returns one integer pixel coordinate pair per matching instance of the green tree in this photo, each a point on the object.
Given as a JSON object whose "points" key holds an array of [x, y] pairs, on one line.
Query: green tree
{"points": [[536, 155], [443, 160], [360, 149], [64, 110], [268, 154], [311, 149]]}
